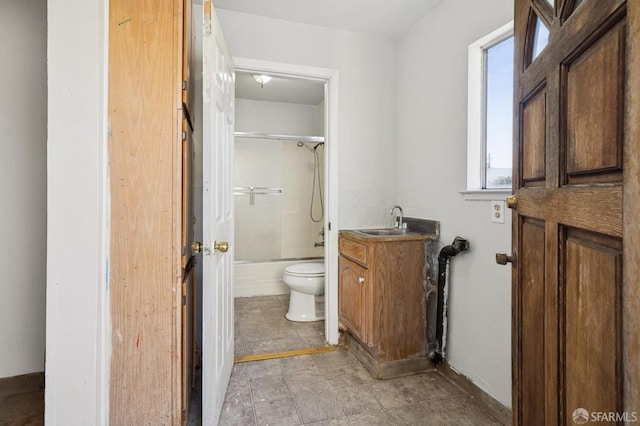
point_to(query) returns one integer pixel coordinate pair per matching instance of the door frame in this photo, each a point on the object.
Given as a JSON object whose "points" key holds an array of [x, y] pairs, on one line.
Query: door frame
{"points": [[330, 77], [78, 324]]}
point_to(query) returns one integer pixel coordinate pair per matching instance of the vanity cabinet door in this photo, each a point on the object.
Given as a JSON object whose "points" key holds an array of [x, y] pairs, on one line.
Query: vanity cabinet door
{"points": [[353, 281]]}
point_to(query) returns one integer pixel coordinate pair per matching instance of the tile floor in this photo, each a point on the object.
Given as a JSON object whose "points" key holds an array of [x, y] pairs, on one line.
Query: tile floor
{"points": [[329, 388]]}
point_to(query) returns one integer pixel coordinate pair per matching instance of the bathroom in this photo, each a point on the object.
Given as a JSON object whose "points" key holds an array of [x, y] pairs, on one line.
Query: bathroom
{"points": [[279, 187]]}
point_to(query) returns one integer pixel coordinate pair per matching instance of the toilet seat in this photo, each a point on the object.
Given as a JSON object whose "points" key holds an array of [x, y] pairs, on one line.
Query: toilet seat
{"points": [[310, 270], [306, 282]]}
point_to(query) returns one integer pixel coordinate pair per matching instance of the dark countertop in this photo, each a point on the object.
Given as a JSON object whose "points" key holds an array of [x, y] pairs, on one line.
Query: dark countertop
{"points": [[371, 234]]}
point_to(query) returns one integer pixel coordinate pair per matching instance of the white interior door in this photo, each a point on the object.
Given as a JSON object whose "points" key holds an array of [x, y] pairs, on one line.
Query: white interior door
{"points": [[217, 214]]}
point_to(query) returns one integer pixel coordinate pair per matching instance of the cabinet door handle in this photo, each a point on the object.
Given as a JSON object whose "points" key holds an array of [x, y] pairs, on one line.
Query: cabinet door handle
{"points": [[361, 280]]}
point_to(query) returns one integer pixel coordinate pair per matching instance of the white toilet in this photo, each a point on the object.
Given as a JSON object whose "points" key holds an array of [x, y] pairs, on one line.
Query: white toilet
{"points": [[306, 281]]}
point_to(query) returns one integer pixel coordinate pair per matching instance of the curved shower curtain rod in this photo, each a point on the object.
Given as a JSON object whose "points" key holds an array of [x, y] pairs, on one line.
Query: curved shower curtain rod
{"points": [[258, 135]]}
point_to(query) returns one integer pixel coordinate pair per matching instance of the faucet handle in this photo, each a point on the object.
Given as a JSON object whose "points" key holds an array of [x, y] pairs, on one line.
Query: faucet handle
{"points": [[399, 221], [395, 207]]}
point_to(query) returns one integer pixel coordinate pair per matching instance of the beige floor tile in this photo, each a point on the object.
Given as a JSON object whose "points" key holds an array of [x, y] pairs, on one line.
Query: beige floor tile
{"points": [[237, 415], [269, 388], [414, 415], [332, 422], [459, 410], [328, 389], [316, 406], [269, 367], [392, 393], [330, 360], [428, 386], [307, 382], [375, 418], [277, 413], [341, 377], [356, 399]]}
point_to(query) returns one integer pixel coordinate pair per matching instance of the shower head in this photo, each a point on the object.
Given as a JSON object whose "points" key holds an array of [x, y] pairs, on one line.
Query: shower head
{"points": [[302, 144]]}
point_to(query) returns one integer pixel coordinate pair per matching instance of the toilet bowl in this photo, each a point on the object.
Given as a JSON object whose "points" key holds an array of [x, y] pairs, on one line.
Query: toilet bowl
{"points": [[306, 281]]}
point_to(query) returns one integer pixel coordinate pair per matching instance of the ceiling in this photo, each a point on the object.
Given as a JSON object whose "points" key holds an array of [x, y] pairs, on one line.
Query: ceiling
{"points": [[382, 18], [385, 18], [279, 90]]}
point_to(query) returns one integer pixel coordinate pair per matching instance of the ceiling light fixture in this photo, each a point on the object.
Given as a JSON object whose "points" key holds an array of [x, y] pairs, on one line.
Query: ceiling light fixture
{"points": [[262, 79]]}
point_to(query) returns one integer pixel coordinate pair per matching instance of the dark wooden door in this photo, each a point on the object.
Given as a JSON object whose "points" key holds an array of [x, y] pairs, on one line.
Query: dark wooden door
{"points": [[573, 130]]}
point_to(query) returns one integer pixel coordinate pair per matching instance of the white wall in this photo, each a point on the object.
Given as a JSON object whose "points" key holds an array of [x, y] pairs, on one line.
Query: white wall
{"points": [[23, 185], [78, 339], [367, 110], [277, 117], [432, 111]]}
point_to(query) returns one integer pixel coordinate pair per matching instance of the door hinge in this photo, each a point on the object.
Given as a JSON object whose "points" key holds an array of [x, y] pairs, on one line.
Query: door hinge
{"points": [[184, 300], [184, 85], [184, 136], [329, 226]]}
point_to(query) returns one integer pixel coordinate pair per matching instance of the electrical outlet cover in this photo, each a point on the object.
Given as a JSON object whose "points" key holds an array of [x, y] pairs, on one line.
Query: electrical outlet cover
{"points": [[497, 211]]}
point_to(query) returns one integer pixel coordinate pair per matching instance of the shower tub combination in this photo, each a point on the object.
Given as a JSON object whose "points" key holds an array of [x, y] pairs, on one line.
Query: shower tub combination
{"points": [[278, 209], [259, 278]]}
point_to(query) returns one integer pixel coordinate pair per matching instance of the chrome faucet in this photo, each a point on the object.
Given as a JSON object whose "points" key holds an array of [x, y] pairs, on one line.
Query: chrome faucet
{"points": [[399, 221]]}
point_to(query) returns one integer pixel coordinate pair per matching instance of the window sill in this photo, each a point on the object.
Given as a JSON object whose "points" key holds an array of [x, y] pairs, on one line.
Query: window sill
{"points": [[485, 194]]}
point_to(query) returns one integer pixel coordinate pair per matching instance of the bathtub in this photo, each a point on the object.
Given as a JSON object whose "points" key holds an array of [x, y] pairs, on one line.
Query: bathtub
{"points": [[263, 278]]}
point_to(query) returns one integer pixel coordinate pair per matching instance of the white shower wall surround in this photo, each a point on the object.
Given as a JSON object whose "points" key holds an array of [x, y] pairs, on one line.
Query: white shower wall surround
{"points": [[276, 227]]}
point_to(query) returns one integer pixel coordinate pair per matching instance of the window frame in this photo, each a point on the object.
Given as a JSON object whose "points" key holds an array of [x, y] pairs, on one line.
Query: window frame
{"points": [[476, 114]]}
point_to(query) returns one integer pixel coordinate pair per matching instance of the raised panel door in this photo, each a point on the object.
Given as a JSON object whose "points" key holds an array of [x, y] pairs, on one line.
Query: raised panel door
{"points": [[351, 301], [217, 217], [568, 234]]}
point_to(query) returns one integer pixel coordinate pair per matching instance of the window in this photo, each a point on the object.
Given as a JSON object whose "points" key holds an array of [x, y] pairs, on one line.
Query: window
{"points": [[498, 117], [490, 112]]}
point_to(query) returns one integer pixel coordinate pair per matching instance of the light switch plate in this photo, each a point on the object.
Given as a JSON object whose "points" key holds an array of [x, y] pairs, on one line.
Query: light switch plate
{"points": [[497, 211]]}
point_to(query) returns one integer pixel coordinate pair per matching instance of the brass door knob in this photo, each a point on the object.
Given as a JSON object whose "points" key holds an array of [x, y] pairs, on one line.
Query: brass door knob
{"points": [[221, 246], [196, 247], [504, 258], [512, 202]]}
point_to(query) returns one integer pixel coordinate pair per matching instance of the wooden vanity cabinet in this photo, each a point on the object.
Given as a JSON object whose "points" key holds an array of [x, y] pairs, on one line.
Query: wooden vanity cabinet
{"points": [[382, 302], [355, 292]]}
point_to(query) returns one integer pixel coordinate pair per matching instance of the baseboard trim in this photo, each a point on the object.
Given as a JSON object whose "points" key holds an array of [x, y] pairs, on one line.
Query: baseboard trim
{"points": [[25, 383], [496, 409]]}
